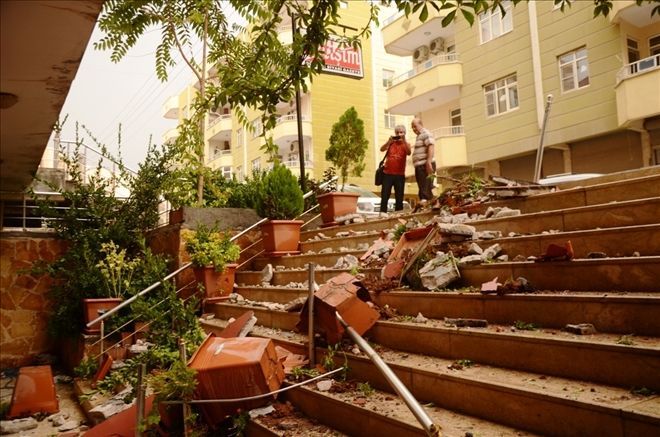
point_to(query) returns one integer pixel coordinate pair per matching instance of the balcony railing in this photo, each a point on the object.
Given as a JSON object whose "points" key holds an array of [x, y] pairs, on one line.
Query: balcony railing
{"points": [[445, 58], [448, 131], [635, 68], [217, 119], [296, 164], [290, 117]]}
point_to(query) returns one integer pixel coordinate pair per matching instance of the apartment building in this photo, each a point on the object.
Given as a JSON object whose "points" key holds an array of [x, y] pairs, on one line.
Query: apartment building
{"points": [[482, 89], [352, 78]]}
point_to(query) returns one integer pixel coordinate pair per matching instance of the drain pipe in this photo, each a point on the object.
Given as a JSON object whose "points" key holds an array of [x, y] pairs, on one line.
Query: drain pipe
{"points": [[422, 417], [539, 152]]}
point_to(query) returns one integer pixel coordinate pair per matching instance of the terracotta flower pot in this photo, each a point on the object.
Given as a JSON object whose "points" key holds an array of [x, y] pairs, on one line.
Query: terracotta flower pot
{"points": [[93, 308], [216, 284], [281, 237], [336, 204]]}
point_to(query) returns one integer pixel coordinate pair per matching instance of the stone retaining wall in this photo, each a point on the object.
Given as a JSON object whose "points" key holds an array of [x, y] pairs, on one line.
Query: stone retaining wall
{"points": [[24, 308]]}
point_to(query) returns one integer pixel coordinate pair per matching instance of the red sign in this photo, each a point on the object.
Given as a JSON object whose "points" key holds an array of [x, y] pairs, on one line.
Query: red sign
{"points": [[344, 60]]}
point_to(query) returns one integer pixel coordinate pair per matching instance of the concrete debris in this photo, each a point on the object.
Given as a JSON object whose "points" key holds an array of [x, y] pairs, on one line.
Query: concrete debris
{"points": [[457, 229], [267, 274], [596, 255], [355, 350], [279, 268], [513, 234], [324, 385], [439, 272], [636, 254], [58, 419], [140, 346], [475, 249], [463, 323], [490, 287], [518, 285], [322, 236], [460, 218], [68, 426], [342, 234], [346, 262], [520, 258], [17, 425], [349, 218], [62, 379], [261, 411], [503, 258], [581, 329], [108, 409], [470, 260], [491, 211], [295, 304], [420, 318], [506, 212], [491, 252], [326, 250], [487, 235]]}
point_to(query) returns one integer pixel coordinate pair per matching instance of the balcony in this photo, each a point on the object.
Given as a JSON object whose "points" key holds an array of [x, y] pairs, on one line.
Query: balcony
{"points": [[171, 108], [638, 90], [294, 166], [170, 135], [220, 158], [450, 146], [219, 127], [431, 83], [401, 35], [285, 131], [628, 11]]}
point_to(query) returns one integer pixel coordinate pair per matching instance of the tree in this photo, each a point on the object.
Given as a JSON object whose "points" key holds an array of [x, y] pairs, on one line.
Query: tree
{"points": [[348, 145]]}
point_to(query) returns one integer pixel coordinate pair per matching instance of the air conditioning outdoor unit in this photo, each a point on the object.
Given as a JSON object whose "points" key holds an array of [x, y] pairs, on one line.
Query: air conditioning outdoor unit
{"points": [[437, 46], [421, 54]]}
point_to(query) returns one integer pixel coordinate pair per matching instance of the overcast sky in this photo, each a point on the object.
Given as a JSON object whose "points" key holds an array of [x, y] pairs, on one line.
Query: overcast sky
{"points": [[104, 94]]}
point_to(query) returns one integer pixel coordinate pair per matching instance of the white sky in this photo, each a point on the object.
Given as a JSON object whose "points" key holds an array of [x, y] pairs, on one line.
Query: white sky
{"points": [[104, 94]]}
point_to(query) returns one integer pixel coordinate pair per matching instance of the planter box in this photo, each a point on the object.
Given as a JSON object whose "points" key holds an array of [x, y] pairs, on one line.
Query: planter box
{"points": [[336, 204], [281, 237], [216, 284], [93, 308]]}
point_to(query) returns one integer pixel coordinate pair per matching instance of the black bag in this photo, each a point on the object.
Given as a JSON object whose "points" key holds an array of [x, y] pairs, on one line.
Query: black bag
{"points": [[380, 171]]}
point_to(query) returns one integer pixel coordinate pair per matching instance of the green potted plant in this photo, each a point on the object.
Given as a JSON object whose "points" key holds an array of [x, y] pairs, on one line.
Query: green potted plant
{"points": [[280, 199], [333, 203], [212, 254], [117, 272]]}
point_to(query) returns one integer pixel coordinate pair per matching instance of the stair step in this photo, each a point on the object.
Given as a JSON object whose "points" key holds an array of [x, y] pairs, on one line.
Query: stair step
{"points": [[542, 404], [382, 413], [612, 312], [629, 189], [291, 419], [299, 261], [544, 351], [638, 274]]}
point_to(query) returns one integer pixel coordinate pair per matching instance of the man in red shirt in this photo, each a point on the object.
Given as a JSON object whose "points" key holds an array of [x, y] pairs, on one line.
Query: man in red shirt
{"points": [[394, 172]]}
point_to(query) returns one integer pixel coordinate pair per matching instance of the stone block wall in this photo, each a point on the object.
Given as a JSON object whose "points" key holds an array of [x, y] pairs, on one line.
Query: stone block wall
{"points": [[24, 308]]}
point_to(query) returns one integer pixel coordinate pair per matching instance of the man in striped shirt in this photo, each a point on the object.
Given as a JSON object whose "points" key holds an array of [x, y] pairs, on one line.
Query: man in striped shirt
{"points": [[423, 160]]}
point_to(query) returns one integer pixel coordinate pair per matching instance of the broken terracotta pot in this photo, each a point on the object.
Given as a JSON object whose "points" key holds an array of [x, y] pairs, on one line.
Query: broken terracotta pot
{"points": [[555, 252], [33, 393], [230, 368], [346, 295]]}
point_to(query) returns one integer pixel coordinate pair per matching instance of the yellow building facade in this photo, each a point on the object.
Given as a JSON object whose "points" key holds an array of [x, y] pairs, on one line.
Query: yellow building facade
{"points": [[234, 149], [482, 89]]}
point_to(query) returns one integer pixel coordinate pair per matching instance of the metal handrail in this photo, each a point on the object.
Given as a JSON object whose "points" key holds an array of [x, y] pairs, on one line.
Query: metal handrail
{"points": [[185, 266]]}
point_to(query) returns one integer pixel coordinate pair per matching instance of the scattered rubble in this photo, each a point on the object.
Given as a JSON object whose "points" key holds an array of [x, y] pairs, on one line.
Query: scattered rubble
{"points": [[17, 425], [466, 323], [439, 271], [581, 329]]}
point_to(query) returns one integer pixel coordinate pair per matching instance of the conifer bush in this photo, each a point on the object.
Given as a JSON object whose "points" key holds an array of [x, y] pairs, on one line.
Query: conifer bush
{"points": [[279, 197]]}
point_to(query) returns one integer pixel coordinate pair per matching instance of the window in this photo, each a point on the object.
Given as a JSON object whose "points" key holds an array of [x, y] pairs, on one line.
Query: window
{"points": [[257, 127], [654, 45], [239, 138], [633, 50], [501, 95], [574, 70], [256, 164], [390, 120], [239, 173], [388, 75], [455, 117], [226, 172], [492, 24]]}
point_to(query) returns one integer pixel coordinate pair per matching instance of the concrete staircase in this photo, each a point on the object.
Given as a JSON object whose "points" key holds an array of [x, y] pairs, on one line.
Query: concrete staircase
{"points": [[521, 375]]}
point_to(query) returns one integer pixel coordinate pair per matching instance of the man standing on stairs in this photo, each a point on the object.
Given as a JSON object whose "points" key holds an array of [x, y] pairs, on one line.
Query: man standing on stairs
{"points": [[423, 161], [394, 173]]}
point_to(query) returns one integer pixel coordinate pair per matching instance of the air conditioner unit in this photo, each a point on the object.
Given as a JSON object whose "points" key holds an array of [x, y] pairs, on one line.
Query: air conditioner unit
{"points": [[437, 46], [421, 54]]}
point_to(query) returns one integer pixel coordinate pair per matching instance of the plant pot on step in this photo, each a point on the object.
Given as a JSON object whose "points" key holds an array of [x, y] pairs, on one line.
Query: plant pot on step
{"points": [[216, 284], [336, 204], [93, 308], [281, 237]]}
